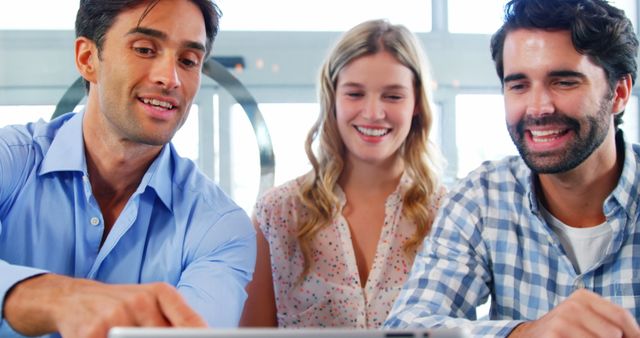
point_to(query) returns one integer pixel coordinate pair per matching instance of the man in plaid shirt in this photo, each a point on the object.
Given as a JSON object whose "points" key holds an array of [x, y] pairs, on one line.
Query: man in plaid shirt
{"points": [[550, 235]]}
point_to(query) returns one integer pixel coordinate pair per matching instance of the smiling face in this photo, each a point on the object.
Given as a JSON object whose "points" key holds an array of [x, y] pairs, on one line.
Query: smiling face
{"points": [[375, 103], [148, 72], [559, 107]]}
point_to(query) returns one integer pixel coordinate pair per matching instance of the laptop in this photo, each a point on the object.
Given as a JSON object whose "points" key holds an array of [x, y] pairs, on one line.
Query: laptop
{"points": [[123, 332]]}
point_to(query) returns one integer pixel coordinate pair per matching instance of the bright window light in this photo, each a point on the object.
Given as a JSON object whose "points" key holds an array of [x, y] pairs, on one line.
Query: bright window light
{"points": [[10, 115], [38, 14], [475, 17], [630, 126], [296, 15], [186, 140], [481, 131], [288, 124], [486, 16], [243, 15]]}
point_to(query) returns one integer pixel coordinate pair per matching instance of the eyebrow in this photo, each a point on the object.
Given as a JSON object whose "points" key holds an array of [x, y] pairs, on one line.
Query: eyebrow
{"points": [[555, 73], [389, 87], [566, 73], [160, 35], [514, 77]]}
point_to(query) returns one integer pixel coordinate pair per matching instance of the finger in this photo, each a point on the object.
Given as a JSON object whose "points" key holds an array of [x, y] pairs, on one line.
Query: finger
{"points": [[144, 307], [175, 309]]}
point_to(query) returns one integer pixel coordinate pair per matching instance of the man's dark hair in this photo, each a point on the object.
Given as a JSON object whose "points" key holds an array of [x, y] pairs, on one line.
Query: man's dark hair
{"points": [[95, 17], [598, 30]]}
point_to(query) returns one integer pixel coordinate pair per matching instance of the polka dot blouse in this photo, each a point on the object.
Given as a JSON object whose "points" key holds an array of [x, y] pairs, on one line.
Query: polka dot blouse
{"points": [[331, 295]]}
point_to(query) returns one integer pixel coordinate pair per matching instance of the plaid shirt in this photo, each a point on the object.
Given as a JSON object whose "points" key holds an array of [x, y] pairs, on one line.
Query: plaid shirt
{"points": [[490, 239]]}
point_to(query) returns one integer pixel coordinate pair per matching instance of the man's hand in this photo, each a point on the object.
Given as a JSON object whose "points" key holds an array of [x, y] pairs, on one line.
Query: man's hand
{"points": [[85, 308], [583, 314]]}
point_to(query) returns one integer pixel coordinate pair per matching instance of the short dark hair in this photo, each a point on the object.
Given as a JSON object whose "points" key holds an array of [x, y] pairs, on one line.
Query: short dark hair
{"points": [[598, 30], [95, 17]]}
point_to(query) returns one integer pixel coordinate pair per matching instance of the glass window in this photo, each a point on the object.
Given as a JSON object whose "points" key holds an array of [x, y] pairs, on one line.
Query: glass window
{"points": [[631, 127], [186, 140], [22, 114], [295, 15], [481, 133], [475, 17], [288, 124], [485, 17], [38, 14], [275, 15]]}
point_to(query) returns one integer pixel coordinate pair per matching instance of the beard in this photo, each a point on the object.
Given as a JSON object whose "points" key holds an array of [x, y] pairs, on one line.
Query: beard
{"points": [[589, 133]]}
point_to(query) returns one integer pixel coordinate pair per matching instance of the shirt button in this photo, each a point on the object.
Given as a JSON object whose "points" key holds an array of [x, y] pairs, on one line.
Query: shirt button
{"points": [[579, 284], [95, 221]]}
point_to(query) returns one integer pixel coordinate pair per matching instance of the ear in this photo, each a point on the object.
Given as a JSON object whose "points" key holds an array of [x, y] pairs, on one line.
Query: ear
{"points": [[621, 94], [86, 58]]}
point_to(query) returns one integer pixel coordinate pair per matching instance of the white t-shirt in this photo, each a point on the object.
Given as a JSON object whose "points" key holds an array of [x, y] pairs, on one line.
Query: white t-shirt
{"points": [[584, 246]]}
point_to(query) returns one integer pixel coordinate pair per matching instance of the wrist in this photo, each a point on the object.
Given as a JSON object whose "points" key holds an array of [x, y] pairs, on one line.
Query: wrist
{"points": [[28, 306], [519, 331]]}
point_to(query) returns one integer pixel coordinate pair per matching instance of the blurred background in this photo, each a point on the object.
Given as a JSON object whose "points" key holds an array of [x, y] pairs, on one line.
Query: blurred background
{"points": [[276, 48]]}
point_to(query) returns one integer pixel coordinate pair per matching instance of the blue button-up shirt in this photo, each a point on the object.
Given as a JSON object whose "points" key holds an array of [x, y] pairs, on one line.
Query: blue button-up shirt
{"points": [[490, 239], [178, 227]]}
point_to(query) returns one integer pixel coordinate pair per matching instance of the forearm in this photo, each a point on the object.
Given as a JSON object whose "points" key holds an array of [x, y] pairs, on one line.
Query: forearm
{"points": [[11, 276], [29, 305]]}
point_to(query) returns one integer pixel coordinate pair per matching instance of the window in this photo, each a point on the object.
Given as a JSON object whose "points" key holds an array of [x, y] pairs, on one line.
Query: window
{"points": [[481, 132], [631, 127], [288, 124], [472, 16], [295, 15], [39, 14], [245, 15], [186, 140], [22, 114], [485, 17]]}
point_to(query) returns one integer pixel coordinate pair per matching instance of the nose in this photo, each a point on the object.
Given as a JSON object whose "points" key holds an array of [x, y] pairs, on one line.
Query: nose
{"points": [[164, 72], [373, 109], [540, 102]]}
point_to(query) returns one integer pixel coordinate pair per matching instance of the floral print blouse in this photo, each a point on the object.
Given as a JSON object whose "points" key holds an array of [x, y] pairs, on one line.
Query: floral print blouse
{"points": [[331, 295]]}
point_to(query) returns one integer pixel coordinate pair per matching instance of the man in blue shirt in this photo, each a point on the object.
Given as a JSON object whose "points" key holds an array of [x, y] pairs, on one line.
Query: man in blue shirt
{"points": [[101, 223], [551, 235]]}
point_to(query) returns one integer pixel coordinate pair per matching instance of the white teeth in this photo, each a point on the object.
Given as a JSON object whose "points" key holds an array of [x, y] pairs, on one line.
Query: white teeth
{"points": [[539, 136], [158, 103], [372, 131], [540, 133]]}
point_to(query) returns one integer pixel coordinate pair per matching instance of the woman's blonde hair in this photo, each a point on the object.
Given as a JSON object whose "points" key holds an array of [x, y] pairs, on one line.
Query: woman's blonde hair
{"points": [[421, 160]]}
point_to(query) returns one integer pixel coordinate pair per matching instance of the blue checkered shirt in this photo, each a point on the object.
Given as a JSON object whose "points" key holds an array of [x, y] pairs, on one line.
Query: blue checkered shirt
{"points": [[490, 239]]}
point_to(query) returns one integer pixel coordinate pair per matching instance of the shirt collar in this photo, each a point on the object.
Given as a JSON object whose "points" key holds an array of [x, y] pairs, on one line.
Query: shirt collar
{"points": [[66, 153], [159, 175], [625, 193]]}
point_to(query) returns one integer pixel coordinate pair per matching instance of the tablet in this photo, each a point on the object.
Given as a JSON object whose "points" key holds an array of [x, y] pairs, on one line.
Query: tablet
{"points": [[122, 332]]}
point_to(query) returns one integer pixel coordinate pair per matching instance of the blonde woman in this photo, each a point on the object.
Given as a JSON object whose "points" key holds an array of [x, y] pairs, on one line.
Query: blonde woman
{"points": [[336, 244]]}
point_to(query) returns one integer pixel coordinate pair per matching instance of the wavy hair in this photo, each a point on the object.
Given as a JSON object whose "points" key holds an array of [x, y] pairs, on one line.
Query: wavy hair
{"points": [[420, 156]]}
